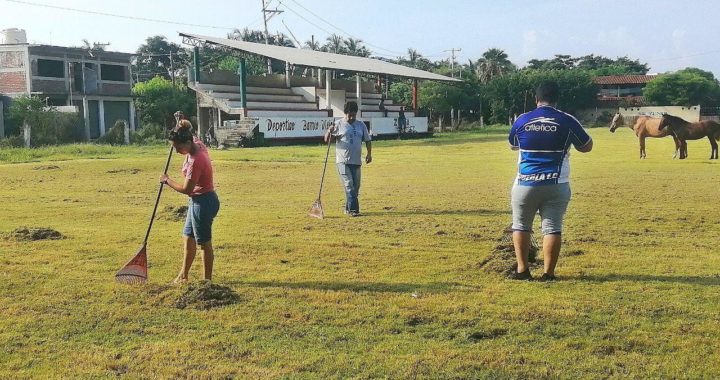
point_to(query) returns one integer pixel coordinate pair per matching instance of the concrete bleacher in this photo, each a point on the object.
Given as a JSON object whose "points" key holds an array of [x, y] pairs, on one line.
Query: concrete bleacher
{"points": [[274, 101], [371, 105], [262, 101]]}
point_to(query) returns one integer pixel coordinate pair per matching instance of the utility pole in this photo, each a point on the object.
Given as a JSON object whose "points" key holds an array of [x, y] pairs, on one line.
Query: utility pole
{"points": [[452, 60], [172, 70], [266, 18]]}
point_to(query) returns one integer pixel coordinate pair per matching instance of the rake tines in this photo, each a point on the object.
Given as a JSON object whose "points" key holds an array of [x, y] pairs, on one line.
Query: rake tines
{"points": [[507, 238], [130, 279], [316, 210], [135, 271]]}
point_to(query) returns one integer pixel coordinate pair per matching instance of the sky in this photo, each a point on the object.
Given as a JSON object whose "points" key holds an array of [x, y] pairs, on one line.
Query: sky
{"points": [[667, 35]]}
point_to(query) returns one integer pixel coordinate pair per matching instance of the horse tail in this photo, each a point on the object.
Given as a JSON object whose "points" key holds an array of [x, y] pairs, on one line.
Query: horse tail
{"points": [[716, 129]]}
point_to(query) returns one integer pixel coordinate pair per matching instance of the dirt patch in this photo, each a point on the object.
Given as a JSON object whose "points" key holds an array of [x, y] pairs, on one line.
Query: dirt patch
{"points": [[47, 167], [173, 213], [586, 239], [486, 334], [35, 234], [205, 295], [573, 252], [129, 171], [501, 260], [414, 320]]}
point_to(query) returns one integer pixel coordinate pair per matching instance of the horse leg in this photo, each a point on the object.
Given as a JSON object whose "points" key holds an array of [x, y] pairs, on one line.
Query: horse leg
{"points": [[677, 146], [714, 145], [683, 149], [642, 147]]}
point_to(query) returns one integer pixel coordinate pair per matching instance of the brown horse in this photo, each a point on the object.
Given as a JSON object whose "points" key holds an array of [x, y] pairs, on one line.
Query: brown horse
{"points": [[685, 130], [644, 126]]}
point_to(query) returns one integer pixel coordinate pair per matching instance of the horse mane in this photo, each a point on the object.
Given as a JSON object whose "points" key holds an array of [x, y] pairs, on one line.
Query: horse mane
{"points": [[675, 118]]}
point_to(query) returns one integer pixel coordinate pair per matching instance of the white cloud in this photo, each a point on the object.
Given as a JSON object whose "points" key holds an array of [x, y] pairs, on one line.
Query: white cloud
{"points": [[618, 41], [680, 49], [530, 44]]}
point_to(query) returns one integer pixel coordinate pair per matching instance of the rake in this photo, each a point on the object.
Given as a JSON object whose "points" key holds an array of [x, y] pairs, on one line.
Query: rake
{"points": [[316, 210], [508, 240], [135, 271]]}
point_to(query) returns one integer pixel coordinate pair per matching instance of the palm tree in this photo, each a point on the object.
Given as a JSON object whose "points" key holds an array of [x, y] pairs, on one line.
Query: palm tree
{"points": [[312, 45], [354, 46], [493, 63], [334, 44], [413, 57]]}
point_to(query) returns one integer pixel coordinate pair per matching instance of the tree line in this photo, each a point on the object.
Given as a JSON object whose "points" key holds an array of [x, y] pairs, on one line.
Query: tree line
{"points": [[492, 86]]}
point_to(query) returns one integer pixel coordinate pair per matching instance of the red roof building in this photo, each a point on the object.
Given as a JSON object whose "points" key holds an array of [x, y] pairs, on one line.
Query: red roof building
{"points": [[616, 90]]}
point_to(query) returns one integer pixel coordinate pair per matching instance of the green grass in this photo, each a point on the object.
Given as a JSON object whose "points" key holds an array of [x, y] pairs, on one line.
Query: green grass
{"points": [[396, 293]]}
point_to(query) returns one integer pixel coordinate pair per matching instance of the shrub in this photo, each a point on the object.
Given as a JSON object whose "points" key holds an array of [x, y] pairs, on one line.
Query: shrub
{"points": [[116, 134], [15, 141], [149, 134], [48, 126]]}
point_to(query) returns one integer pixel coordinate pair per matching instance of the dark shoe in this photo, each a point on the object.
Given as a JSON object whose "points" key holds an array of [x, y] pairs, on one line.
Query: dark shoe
{"points": [[547, 277], [354, 213], [523, 276]]}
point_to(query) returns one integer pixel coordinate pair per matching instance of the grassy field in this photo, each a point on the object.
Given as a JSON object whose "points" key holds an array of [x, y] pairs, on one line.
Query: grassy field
{"points": [[397, 293]]}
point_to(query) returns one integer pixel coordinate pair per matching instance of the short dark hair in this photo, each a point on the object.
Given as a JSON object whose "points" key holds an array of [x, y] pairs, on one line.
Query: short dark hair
{"points": [[180, 135], [350, 107], [548, 91]]}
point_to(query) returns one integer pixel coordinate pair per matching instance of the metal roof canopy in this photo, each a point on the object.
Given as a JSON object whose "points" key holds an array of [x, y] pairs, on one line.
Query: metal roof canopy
{"points": [[323, 60]]}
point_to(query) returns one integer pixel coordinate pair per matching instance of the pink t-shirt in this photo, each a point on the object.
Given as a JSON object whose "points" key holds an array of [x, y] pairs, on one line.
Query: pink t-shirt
{"points": [[198, 167]]}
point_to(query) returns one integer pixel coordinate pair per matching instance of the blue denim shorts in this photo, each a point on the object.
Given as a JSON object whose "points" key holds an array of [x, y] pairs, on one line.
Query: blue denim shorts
{"points": [[202, 209]]}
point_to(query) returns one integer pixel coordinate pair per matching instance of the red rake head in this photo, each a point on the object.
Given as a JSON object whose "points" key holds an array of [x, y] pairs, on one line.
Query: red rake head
{"points": [[316, 210], [135, 271]]}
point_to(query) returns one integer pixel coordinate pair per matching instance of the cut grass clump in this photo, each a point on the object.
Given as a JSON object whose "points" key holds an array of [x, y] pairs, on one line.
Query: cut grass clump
{"points": [[205, 295], [173, 213], [46, 167], [501, 259], [35, 234], [129, 171]]}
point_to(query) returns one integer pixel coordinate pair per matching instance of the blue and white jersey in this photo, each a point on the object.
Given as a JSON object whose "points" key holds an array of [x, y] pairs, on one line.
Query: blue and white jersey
{"points": [[543, 137]]}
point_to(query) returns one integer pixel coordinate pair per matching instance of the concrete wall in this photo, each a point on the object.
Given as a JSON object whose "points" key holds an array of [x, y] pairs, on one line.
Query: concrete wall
{"points": [[116, 89], [2, 120], [13, 77], [690, 114]]}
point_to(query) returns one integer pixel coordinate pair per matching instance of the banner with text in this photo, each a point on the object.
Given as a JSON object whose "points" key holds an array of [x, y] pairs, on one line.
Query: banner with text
{"points": [[298, 127]]}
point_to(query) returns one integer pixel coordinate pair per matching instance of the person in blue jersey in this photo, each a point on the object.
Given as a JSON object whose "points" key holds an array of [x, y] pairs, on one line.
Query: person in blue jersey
{"points": [[543, 137], [350, 133]]}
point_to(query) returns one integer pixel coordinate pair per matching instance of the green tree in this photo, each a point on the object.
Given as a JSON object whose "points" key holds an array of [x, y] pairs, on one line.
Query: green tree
{"points": [[48, 126], [493, 63], [157, 100], [334, 44], [686, 87], [221, 59], [595, 64], [400, 92], [513, 94], [153, 59], [354, 46]]}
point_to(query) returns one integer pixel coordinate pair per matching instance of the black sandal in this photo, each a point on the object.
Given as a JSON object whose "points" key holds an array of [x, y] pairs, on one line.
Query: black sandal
{"points": [[523, 276]]}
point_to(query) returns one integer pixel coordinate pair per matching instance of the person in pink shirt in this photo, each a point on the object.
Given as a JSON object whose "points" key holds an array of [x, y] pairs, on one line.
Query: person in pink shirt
{"points": [[203, 205]]}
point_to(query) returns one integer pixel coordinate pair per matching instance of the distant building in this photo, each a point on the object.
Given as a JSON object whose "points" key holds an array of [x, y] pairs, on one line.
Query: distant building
{"points": [[619, 90], [97, 83]]}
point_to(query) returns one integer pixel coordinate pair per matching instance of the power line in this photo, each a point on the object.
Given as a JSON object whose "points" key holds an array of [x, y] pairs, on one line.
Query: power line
{"points": [[687, 56], [452, 60], [335, 27], [117, 15]]}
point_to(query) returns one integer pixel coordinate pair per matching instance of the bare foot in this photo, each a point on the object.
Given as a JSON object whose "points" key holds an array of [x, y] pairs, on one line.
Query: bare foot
{"points": [[180, 279]]}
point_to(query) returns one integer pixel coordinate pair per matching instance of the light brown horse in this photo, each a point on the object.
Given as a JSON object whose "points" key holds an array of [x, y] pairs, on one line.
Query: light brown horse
{"points": [[685, 130], [644, 126]]}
